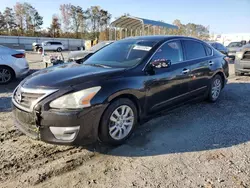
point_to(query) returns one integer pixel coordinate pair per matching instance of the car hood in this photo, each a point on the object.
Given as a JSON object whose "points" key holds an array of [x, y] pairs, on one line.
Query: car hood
{"points": [[230, 49], [68, 74]]}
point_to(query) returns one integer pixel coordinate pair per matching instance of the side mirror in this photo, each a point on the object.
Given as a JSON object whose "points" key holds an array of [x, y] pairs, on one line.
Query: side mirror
{"points": [[161, 63]]}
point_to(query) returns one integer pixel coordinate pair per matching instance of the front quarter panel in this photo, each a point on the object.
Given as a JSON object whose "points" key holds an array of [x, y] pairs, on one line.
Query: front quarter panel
{"points": [[133, 85]]}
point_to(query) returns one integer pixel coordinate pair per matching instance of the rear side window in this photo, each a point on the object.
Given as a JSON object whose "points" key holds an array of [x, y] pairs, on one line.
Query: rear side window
{"points": [[208, 50], [194, 50], [56, 43]]}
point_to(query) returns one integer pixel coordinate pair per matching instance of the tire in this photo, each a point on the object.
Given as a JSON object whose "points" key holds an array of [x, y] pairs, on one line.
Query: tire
{"points": [[215, 88], [109, 131], [6, 75], [239, 74], [59, 49]]}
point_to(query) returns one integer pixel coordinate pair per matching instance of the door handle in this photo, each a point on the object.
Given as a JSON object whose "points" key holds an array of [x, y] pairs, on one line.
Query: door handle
{"points": [[185, 71], [211, 63]]}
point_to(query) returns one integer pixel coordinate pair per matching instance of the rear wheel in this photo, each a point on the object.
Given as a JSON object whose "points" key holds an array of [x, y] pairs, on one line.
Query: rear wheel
{"points": [[59, 49], [118, 122], [215, 88], [6, 75]]}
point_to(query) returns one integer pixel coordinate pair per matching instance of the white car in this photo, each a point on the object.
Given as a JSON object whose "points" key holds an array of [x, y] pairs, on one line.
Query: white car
{"points": [[12, 64], [53, 46]]}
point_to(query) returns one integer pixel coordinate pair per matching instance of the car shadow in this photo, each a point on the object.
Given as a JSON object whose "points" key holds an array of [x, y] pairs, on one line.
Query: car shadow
{"points": [[194, 127]]}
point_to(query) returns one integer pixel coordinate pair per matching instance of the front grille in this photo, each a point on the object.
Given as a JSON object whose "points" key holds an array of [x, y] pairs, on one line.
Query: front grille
{"points": [[246, 55], [26, 98]]}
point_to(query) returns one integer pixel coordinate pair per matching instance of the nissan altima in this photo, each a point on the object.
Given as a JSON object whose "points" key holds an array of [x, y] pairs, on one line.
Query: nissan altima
{"points": [[123, 83]]}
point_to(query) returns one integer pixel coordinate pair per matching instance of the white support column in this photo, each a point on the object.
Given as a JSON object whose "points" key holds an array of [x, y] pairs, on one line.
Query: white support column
{"points": [[120, 33], [115, 33], [154, 29], [131, 32], [143, 29]]}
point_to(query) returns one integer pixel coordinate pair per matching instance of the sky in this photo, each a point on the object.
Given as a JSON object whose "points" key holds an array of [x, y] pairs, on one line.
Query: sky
{"points": [[222, 16]]}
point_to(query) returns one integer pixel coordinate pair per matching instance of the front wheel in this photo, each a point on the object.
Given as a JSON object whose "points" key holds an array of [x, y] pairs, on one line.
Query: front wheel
{"points": [[215, 88], [239, 74], [118, 122]]}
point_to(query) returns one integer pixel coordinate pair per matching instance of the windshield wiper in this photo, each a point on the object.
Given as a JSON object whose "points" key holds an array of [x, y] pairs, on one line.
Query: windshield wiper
{"points": [[99, 65]]}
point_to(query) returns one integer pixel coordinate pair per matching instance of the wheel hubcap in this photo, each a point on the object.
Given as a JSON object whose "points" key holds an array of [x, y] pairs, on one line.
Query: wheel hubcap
{"points": [[5, 75], [216, 88], [121, 122]]}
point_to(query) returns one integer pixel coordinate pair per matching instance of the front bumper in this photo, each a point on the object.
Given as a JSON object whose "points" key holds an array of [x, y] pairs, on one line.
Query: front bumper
{"points": [[242, 66], [40, 125]]}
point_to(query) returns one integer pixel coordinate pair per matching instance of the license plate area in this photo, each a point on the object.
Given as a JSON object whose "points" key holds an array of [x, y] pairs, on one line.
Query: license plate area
{"points": [[26, 123]]}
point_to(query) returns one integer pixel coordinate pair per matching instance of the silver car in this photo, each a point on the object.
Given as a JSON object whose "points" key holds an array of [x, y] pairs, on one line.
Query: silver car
{"points": [[12, 64], [233, 47], [242, 61]]}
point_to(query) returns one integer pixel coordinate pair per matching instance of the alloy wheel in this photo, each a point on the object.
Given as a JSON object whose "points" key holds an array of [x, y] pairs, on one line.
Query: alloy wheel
{"points": [[216, 88], [121, 122], [5, 75]]}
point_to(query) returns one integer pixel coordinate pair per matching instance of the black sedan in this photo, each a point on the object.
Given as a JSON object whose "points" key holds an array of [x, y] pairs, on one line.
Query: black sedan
{"points": [[120, 85]]}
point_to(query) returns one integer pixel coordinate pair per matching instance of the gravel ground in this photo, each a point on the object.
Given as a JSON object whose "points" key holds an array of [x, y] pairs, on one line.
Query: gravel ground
{"points": [[198, 145]]}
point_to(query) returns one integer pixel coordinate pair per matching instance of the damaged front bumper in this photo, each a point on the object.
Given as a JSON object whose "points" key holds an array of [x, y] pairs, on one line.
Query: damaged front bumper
{"points": [[73, 127]]}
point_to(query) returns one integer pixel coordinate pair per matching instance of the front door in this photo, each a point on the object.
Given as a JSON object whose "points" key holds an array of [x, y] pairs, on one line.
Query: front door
{"points": [[167, 86]]}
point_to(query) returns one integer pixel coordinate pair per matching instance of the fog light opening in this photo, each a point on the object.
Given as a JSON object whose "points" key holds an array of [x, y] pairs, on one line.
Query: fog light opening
{"points": [[65, 133]]}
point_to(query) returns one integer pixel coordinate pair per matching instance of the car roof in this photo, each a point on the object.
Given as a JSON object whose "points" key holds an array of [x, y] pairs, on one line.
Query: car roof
{"points": [[160, 37]]}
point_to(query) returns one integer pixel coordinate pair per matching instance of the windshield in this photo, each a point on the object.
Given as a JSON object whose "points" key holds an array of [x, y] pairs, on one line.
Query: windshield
{"points": [[235, 44], [127, 53]]}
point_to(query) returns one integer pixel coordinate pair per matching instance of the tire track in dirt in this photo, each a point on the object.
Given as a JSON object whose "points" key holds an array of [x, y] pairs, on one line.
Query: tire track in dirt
{"points": [[33, 162]]}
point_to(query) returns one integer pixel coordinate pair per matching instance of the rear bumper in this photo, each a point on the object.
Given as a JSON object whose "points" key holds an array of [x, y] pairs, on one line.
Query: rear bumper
{"points": [[22, 72], [61, 127]]}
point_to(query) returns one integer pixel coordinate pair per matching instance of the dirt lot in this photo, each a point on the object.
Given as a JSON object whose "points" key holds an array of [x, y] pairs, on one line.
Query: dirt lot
{"points": [[199, 145]]}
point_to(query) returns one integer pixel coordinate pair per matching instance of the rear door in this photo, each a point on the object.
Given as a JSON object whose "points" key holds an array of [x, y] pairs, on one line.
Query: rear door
{"points": [[198, 56]]}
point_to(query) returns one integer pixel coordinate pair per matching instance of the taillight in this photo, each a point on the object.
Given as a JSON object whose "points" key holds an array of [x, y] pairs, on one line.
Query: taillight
{"points": [[19, 55]]}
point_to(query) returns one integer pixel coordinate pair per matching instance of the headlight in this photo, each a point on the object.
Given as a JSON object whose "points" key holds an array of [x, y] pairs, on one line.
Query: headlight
{"points": [[239, 55], [79, 99]]}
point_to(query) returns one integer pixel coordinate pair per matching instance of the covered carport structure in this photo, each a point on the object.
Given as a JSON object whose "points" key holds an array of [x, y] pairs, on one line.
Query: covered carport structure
{"points": [[126, 26]]}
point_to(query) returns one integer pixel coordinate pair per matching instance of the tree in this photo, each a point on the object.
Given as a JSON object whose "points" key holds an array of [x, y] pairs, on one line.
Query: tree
{"points": [[55, 27], [2, 21], [9, 20], [20, 16], [97, 18], [65, 10], [77, 16], [37, 21]]}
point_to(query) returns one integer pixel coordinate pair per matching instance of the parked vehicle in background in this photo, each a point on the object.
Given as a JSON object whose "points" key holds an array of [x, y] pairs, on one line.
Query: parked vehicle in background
{"points": [[53, 46], [106, 96], [81, 55], [12, 64], [242, 61], [36, 46], [233, 47], [220, 47]]}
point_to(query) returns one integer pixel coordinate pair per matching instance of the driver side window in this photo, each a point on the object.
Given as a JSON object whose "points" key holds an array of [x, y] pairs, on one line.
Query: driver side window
{"points": [[170, 51]]}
